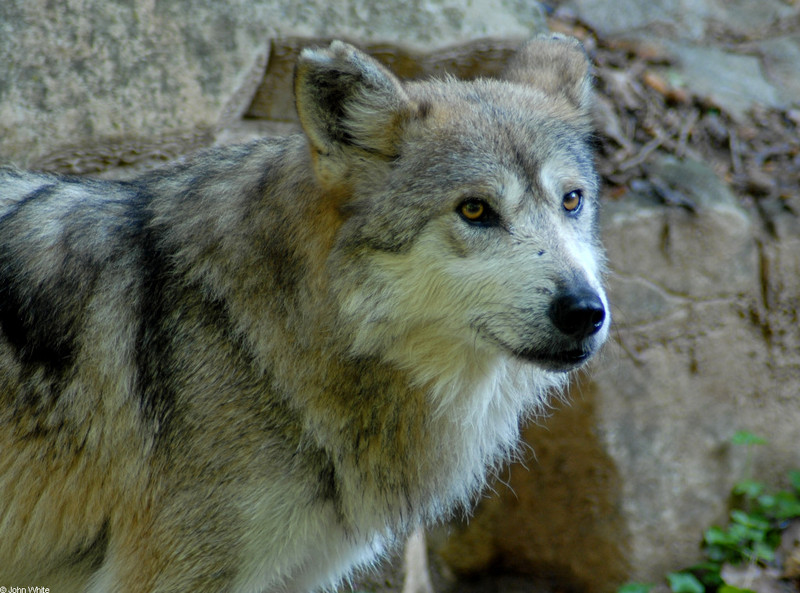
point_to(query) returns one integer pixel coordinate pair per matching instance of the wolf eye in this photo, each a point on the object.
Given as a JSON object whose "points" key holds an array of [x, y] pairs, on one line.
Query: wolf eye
{"points": [[473, 210], [572, 201], [477, 212]]}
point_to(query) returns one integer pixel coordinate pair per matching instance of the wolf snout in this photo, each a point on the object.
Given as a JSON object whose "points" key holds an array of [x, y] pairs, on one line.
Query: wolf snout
{"points": [[578, 313]]}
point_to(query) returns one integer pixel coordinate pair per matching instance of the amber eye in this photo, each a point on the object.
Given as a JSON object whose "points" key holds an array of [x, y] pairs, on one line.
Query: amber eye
{"points": [[478, 213], [473, 210], [572, 201]]}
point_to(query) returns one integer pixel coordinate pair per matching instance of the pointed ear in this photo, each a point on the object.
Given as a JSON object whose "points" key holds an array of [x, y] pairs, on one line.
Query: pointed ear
{"points": [[346, 99], [557, 65]]}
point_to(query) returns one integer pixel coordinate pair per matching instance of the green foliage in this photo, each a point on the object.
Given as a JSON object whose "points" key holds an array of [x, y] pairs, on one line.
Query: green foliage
{"points": [[794, 478], [635, 588], [743, 437], [684, 582], [748, 488], [751, 536]]}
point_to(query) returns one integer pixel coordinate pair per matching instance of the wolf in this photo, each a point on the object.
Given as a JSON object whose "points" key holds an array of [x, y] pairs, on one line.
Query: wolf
{"points": [[260, 367]]}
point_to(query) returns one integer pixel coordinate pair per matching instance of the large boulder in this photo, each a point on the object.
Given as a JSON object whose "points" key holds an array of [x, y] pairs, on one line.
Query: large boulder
{"points": [[89, 84]]}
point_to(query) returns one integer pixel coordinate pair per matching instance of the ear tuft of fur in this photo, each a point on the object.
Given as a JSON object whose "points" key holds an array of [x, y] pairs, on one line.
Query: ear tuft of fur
{"points": [[345, 99], [556, 64]]}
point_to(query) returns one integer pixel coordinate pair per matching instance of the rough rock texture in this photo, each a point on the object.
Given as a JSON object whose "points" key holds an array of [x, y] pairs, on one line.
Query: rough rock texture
{"points": [[735, 52], [686, 19], [89, 84], [695, 359]]}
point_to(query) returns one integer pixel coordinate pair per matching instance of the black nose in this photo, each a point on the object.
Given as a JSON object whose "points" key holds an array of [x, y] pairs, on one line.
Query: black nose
{"points": [[578, 313]]}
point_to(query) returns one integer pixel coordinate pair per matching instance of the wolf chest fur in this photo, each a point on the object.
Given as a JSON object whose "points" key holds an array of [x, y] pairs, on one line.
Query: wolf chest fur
{"points": [[256, 368]]}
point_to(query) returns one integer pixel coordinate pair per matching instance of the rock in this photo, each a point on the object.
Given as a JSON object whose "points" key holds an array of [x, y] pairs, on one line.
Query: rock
{"points": [[780, 56], [685, 19], [753, 578], [732, 81], [736, 54], [78, 73], [788, 552], [430, 24], [631, 16], [87, 85]]}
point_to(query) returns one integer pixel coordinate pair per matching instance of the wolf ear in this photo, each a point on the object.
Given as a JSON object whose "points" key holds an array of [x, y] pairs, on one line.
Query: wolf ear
{"points": [[346, 99], [556, 64]]}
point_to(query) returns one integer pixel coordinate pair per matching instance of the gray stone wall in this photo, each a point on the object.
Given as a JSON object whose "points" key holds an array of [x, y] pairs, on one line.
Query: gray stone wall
{"points": [[89, 84]]}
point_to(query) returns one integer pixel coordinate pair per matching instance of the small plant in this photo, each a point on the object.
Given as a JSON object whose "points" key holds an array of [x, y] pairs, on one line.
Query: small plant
{"points": [[635, 588], [751, 537]]}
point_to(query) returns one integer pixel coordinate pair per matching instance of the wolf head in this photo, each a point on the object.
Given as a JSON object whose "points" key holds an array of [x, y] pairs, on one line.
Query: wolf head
{"points": [[468, 209]]}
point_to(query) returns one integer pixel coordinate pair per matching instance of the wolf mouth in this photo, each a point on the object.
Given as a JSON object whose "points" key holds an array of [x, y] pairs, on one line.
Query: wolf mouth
{"points": [[550, 359], [563, 360], [559, 361]]}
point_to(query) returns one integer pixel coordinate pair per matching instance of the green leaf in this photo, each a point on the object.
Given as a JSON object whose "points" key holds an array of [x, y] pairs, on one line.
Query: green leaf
{"points": [[738, 533], [751, 520], [716, 536], [794, 478], [683, 582], [785, 505], [763, 552], [721, 554], [707, 573], [767, 502], [635, 588], [748, 488], [744, 437], [732, 589]]}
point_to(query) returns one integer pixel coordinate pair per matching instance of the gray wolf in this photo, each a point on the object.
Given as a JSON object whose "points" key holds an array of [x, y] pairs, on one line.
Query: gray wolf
{"points": [[257, 368]]}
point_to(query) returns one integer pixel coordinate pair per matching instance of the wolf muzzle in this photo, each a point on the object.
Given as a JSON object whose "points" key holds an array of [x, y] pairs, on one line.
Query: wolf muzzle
{"points": [[578, 313]]}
